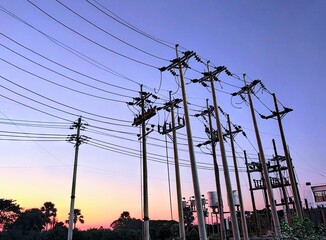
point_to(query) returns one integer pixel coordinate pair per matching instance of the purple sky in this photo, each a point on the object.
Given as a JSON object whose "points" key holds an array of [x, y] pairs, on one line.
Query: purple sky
{"points": [[280, 43]]}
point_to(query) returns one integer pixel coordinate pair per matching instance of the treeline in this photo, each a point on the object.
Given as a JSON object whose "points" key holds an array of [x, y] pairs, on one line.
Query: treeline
{"points": [[42, 224]]}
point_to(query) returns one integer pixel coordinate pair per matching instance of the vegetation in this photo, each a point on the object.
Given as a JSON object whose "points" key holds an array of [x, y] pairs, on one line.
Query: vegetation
{"points": [[302, 228], [42, 224]]}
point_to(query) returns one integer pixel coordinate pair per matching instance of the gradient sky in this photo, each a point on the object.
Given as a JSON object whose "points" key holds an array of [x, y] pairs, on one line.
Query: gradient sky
{"points": [[280, 43]]}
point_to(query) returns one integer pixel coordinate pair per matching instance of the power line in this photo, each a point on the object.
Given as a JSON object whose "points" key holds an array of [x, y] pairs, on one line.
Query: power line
{"points": [[63, 66], [65, 76], [55, 108], [49, 99], [110, 34], [92, 41], [41, 111], [69, 49], [128, 25], [60, 85]]}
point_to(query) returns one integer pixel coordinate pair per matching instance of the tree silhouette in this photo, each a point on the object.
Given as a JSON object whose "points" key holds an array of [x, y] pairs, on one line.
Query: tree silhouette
{"points": [[9, 211], [78, 217], [121, 222], [50, 214], [30, 220]]}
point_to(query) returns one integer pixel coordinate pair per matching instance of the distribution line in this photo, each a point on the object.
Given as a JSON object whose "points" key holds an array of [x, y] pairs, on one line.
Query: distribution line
{"points": [[60, 85], [49, 106], [69, 49], [110, 34], [92, 41], [65, 76], [70, 69], [49, 99], [128, 25]]}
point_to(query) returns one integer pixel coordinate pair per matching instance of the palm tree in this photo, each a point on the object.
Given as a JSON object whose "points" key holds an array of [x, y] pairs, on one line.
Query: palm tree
{"points": [[78, 217], [121, 221], [50, 214]]}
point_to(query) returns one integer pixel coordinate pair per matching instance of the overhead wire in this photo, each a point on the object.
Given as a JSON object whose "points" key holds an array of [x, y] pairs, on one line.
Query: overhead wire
{"points": [[64, 66], [62, 75], [54, 101], [128, 25], [110, 34], [36, 109], [55, 108], [60, 85], [69, 49], [89, 39]]}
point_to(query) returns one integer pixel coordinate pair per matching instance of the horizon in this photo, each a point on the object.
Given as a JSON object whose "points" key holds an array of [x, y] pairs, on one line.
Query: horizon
{"points": [[282, 44]]}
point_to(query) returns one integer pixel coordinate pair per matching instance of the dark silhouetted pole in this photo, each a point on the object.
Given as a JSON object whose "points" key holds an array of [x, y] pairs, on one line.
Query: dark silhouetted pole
{"points": [[285, 198], [73, 189], [182, 234], [217, 175], [264, 166], [177, 63], [254, 209], [193, 164], [236, 171], [295, 190], [235, 225]]}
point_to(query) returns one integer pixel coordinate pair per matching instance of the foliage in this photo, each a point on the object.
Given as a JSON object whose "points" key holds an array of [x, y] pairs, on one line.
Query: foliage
{"points": [[9, 211], [302, 228], [30, 220], [50, 214], [78, 217], [163, 229], [122, 221], [126, 227], [58, 232]]}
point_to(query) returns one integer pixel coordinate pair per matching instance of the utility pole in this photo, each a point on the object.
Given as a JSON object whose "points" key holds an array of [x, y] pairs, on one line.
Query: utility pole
{"points": [[247, 89], [169, 106], [213, 139], [177, 63], [254, 209], [236, 171], [141, 120], [78, 140], [209, 76], [279, 115], [286, 202]]}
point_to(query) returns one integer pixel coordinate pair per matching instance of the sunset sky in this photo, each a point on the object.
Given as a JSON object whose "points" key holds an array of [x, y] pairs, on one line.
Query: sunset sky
{"points": [[65, 59]]}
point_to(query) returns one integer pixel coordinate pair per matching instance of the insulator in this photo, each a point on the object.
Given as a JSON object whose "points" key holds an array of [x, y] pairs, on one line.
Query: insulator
{"points": [[173, 72], [228, 72]]}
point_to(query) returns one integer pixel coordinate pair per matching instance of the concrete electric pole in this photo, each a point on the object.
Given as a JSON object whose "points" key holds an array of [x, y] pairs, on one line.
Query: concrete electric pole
{"points": [[78, 140], [177, 63], [141, 119], [247, 89]]}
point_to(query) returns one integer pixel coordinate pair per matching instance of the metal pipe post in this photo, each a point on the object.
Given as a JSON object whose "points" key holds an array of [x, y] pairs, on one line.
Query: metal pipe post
{"points": [[285, 197], [252, 195]]}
